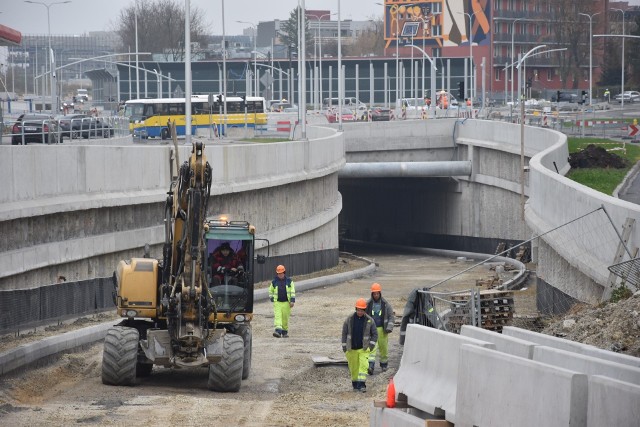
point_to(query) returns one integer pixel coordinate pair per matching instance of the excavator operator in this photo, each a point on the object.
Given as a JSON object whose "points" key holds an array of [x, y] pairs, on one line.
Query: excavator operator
{"points": [[225, 262]]}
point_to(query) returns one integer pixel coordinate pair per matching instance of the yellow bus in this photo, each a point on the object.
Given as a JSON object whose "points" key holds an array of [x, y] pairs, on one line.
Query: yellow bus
{"points": [[148, 118]]}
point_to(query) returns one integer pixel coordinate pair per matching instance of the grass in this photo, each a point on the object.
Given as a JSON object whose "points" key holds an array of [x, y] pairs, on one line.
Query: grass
{"points": [[604, 180]]}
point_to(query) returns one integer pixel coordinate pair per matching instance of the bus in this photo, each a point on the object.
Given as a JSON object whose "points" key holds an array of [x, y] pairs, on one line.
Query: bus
{"points": [[148, 118]]}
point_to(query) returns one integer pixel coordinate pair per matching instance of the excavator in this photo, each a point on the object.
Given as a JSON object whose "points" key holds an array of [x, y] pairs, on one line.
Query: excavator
{"points": [[174, 315]]}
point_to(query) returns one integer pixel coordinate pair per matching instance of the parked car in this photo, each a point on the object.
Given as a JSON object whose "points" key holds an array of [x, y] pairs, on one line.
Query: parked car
{"points": [[347, 115], [381, 114], [277, 107], [629, 96], [40, 128], [95, 127], [71, 124]]}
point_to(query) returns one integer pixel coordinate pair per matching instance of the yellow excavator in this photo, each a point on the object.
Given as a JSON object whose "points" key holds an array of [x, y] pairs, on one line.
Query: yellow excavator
{"points": [[175, 314]]}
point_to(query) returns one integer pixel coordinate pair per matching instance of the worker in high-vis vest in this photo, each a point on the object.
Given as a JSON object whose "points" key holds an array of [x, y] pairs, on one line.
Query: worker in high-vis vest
{"points": [[359, 336], [382, 314], [282, 293]]}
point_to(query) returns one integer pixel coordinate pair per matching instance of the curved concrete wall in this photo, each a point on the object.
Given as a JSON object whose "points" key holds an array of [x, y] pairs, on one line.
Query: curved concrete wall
{"points": [[474, 212], [76, 210]]}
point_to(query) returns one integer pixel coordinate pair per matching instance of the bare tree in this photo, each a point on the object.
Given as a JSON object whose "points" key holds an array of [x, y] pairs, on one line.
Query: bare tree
{"points": [[370, 42], [160, 27]]}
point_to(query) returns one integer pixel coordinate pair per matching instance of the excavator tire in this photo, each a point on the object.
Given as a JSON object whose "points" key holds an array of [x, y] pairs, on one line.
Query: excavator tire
{"points": [[226, 376], [247, 335], [120, 356]]}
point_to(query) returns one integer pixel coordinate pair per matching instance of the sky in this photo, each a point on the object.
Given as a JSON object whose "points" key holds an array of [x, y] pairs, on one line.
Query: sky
{"points": [[82, 16]]}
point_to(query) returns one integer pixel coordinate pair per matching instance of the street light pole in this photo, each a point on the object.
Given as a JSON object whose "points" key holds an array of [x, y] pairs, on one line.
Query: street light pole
{"points": [[622, 85], [255, 56], [52, 84], [513, 30], [320, 54], [471, 74], [591, 54]]}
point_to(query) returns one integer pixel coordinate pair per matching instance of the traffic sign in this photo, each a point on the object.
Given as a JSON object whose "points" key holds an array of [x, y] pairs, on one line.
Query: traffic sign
{"points": [[633, 130]]}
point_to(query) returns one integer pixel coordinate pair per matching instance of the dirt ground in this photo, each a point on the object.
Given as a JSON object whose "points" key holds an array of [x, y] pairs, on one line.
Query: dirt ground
{"points": [[284, 388], [594, 156]]}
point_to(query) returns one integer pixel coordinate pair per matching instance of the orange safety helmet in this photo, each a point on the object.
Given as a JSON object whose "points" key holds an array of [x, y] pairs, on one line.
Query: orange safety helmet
{"points": [[361, 303], [280, 269], [376, 287]]}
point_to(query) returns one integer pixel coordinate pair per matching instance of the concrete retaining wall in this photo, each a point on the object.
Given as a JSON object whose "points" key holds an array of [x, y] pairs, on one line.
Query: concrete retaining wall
{"points": [[74, 210]]}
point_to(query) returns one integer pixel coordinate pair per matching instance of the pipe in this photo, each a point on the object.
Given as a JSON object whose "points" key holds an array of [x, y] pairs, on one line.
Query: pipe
{"points": [[406, 169]]}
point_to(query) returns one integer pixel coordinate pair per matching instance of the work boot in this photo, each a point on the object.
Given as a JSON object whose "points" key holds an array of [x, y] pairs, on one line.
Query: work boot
{"points": [[355, 385], [285, 334], [371, 367], [384, 367], [363, 387], [277, 333]]}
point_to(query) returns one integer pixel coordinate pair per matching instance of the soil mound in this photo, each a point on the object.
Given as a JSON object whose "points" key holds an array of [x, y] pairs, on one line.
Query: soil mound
{"points": [[596, 157]]}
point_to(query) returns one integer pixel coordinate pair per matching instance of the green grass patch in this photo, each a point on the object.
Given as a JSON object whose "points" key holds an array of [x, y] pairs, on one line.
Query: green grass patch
{"points": [[604, 180]]}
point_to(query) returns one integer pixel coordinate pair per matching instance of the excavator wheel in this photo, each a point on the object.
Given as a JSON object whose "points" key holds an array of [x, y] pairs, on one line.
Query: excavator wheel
{"points": [[227, 375], [247, 336], [120, 356]]}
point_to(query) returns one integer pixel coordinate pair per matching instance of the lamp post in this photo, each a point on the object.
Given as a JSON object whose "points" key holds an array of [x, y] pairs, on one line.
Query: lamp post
{"points": [[513, 55], [320, 53], [397, 55], [255, 56], [340, 82], [433, 77], [622, 85], [591, 53], [520, 62], [471, 74], [52, 85]]}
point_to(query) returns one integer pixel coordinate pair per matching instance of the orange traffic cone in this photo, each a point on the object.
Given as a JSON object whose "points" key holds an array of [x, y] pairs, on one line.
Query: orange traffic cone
{"points": [[391, 394]]}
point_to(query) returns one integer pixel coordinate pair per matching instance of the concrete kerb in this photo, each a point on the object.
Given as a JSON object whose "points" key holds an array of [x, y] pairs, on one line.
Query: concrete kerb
{"points": [[28, 354]]}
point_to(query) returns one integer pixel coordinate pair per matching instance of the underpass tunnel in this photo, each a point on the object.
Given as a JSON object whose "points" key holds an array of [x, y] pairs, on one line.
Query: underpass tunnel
{"points": [[419, 212]]}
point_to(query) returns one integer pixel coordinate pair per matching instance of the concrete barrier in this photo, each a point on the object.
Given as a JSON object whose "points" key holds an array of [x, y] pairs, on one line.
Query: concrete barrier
{"points": [[587, 364], [572, 346], [503, 343], [498, 389], [382, 417], [428, 373], [613, 403]]}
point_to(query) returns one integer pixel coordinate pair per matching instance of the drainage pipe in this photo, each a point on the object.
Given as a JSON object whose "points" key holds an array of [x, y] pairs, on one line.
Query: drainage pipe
{"points": [[406, 169]]}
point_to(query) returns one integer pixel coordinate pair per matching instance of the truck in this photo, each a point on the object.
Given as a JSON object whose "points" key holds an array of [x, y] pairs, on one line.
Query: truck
{"points": [[173, 313]]}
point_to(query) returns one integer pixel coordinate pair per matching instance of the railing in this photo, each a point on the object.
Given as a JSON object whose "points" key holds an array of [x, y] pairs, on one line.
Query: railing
{"points": [[89, 127]]}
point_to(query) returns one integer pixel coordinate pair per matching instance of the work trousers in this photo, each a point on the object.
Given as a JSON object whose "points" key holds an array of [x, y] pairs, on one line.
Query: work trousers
{"points": [[358, 361], [281, 313], [382, 347]]}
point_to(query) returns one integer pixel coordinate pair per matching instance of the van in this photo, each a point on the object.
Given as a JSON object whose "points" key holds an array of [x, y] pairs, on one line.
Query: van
{"points": [[351, 103], [82, 95]]}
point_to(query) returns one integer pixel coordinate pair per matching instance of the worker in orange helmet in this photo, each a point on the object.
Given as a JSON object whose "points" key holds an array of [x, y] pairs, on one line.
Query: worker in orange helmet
{"points": [[282, 293], [382, 314], [359, 336]]}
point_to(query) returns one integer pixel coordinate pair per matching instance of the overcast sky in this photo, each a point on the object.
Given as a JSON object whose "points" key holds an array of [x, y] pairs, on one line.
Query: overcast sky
{"points": [[82, 16]]}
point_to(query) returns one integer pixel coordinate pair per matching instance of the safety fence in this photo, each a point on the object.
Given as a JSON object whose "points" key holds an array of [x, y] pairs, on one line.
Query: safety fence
{"points": [[21, 309]]}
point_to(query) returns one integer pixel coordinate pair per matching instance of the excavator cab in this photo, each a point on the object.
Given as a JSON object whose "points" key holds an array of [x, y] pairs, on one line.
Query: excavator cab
{"points": [[232, 286]]}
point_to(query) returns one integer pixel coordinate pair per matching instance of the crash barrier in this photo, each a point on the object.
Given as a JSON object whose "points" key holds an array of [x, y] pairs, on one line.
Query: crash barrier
{"points": [[503, 343], [587, 364], [612, 403], [500, 389], [428, 375], [472, 384], [571, 346]]}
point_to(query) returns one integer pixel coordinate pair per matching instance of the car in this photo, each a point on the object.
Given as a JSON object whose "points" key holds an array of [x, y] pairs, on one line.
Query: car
{"points": [[379, 114], [71, 124], [629, 96], [95, 127], [40, 128], [278, 107], [347, 115]]}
